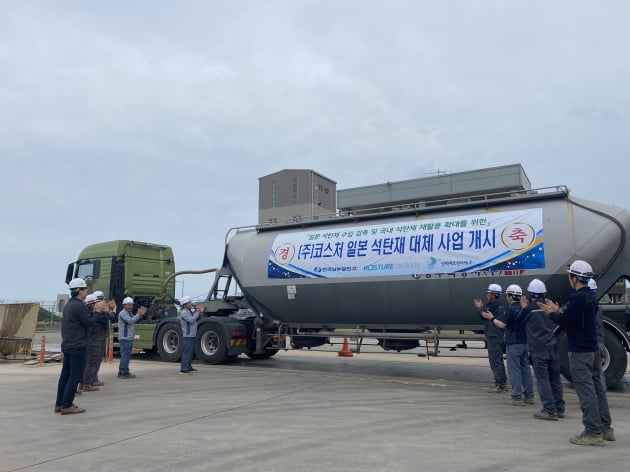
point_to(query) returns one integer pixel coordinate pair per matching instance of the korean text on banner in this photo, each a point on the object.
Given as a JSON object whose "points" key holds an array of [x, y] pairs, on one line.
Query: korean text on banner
{"points": [[511, 240]]}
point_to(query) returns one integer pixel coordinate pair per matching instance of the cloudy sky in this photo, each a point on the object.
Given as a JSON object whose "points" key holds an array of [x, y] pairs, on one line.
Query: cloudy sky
{"points": [[152, 120]]}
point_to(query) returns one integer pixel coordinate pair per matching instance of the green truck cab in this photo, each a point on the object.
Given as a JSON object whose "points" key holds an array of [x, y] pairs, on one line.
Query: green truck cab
{"points": [[134, 269]]}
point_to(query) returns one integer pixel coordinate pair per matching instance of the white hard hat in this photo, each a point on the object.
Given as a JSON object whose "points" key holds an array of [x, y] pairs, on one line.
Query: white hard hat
{"points": [[127, 300], [91, 298], [592, 284], [100, 295], [495, 288], [536, 287], [184, 300], [514, 290], [77, 283], [582, 269]]}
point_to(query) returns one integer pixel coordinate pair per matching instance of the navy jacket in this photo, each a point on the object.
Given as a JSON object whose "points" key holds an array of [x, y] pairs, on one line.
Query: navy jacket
{"points": [[539, 328], [75, 323], [515, 329], [579, 319], [101, 329], [489, 327]]}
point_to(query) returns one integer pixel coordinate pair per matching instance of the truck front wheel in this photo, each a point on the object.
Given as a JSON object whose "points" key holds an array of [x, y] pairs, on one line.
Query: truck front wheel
{"points": [[211, 344], [169, 344]]}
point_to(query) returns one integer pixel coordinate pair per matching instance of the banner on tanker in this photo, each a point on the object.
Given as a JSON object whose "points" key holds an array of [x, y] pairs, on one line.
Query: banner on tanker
{"points": [[501, 241]]}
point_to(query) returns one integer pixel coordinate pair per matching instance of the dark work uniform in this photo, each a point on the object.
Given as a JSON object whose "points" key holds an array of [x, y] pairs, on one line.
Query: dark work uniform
{"points": [[543, 350], [495, 340], [97, 342], [188, 321], [74, 325], [579, 319], [126, 332], [516, 347]]}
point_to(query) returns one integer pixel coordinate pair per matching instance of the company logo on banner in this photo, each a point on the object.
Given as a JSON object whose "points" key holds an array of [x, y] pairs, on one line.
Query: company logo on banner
{"points": [[509, 242]]}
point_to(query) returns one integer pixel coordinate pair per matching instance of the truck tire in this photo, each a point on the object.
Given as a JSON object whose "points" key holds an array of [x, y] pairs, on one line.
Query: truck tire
{"points": [[615, 359], [211, 344], [265, 355], [169, 343], [614, 362]]}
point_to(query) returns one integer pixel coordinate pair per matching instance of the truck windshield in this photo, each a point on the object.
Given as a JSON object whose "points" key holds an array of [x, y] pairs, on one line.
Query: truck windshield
{"points": [[88, 270]]}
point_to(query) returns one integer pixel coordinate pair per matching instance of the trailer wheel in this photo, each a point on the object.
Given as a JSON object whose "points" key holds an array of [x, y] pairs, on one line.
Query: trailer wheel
{"points": [[614, 361], [169, 344], [211, 344], [265, 355]]}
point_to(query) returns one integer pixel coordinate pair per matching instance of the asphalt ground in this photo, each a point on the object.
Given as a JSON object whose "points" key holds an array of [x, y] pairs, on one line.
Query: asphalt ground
{"points": [[300, 410]]}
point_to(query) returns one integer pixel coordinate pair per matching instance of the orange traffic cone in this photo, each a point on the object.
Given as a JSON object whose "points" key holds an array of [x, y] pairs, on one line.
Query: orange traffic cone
{"points": [[110, 348], [42, 351], [345, 349]]}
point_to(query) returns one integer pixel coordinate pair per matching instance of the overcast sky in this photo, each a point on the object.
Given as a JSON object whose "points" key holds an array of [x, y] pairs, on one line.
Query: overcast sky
{"points": [[153, 120]]}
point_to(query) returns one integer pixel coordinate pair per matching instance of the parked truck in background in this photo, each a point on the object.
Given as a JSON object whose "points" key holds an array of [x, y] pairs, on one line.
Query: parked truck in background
{"points": [[398, 277]]}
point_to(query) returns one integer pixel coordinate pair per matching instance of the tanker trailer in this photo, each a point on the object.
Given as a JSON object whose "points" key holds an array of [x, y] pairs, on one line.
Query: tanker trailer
{"points": [[406, 275]]}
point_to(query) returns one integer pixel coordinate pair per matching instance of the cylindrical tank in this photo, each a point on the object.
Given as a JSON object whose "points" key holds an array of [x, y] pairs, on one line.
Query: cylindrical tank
{"points": [[566, 229]]}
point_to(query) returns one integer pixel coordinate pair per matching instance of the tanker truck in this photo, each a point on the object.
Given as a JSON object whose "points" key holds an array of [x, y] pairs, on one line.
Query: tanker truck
{"points": [[402, 276], [396, 277]]}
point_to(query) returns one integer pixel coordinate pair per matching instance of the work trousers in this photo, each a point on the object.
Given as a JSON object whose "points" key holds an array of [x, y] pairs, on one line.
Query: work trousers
{"points": [[188, 345], [496, 349], [586, 374], [71, 375], [546, 365], [519, 371], [95, 352], [125, 355]]}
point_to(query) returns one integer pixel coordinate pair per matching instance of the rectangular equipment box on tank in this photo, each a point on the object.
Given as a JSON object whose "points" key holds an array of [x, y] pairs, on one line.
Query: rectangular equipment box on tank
{"points": [[425, 191]]}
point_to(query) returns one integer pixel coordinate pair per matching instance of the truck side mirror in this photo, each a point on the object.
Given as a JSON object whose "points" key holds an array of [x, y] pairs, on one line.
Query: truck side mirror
{"points": [[69, 272]]}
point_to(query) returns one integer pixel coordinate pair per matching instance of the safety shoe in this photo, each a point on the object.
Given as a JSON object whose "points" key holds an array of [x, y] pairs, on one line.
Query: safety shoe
{"points": [[58, 408], [545, 415], [98, 383], [89, 388], [608, 434], [515, 402], [587, 440], [72, 410], [120, 374], [497, 389], [182, 372], [127, 376], [192, 369], [560, 414], [528, 400]]}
